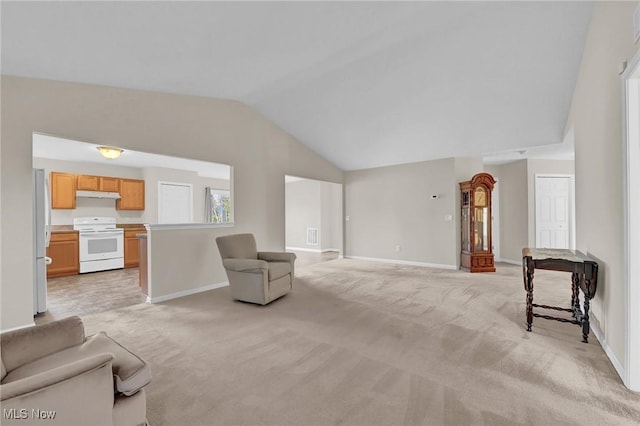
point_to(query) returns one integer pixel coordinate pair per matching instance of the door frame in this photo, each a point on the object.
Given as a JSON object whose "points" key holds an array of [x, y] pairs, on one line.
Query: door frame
{"points": [[630, 80], [572, 205], [495, 224]]}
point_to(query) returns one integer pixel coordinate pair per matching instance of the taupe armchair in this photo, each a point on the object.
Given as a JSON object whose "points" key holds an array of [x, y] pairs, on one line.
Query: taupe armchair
{"points": [[256, 277], [53, 370]]}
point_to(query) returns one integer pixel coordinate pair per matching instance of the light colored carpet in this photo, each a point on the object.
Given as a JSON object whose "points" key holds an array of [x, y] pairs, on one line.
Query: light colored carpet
{"points": [[361, 343]]}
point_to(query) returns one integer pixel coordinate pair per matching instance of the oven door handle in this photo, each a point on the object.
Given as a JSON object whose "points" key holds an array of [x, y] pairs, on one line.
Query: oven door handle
{"points": [[96, 235]]}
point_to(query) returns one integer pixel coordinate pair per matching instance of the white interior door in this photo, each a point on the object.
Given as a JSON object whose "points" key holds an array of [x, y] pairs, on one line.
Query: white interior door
{"points": [[175, 202], [553, 211]]}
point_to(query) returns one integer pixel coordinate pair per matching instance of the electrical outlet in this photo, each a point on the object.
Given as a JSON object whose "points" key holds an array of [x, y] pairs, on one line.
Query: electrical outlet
{"points": [[398, 248], [448, 217], [347, 218]]}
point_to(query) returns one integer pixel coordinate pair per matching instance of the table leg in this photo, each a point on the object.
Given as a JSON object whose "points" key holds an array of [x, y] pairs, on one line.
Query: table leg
{"points": [[529, 282], [575, 288], [585, 320]]}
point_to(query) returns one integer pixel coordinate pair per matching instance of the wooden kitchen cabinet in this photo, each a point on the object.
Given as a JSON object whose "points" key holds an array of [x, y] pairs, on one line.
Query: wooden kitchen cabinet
{"points": [[131, 195], [63, 190], [63, 250], [88, 183], [131, 247], [98, 183], [109, 184]]}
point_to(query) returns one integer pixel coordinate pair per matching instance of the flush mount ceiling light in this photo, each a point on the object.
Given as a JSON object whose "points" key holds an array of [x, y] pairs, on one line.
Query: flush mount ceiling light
{"points": [[110, 152]]}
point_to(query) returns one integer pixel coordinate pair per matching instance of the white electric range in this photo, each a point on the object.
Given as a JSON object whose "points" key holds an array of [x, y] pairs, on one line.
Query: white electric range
{"points": [[101, 243]]}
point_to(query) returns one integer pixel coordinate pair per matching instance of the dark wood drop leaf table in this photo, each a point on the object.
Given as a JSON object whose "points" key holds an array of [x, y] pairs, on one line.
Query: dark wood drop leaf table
{"points": [[584, 276]]}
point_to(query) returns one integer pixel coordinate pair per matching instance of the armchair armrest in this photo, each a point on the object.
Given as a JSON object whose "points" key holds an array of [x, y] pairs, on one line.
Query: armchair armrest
{"points": [[56, 375], [254, 266], [18, 346], [271, 256]]}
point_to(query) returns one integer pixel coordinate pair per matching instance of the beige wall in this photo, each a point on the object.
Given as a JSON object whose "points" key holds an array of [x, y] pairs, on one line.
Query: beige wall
{"points": [[314, 204], [597, 123], [514, 208], [303, 200], [183, 260], [185, 126], [391, 206], [331, 217]]}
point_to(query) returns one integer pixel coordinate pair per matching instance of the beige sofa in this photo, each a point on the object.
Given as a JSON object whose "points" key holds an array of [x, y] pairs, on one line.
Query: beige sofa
{"points": [[256, 277], [52, 374]]}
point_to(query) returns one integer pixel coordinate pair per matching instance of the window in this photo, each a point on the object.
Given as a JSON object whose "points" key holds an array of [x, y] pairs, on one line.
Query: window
{"points": [[218, 205]]}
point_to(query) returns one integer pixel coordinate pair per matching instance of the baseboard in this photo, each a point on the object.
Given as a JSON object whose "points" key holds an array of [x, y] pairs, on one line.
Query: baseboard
{"points": [[403, 262], [511, 262], [303, 249], [311, 250], [617, 365], [186, 292], [18, 328]]}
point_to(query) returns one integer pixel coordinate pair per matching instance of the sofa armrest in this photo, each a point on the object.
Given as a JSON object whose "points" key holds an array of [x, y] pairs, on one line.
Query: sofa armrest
{"points": [[22, 346], [254, 266], [271, 256], [57, 375]]}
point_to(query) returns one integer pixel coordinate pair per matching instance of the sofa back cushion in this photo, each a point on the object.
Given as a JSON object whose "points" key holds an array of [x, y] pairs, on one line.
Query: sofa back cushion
{"points": [[24, 345], [238, 246]]}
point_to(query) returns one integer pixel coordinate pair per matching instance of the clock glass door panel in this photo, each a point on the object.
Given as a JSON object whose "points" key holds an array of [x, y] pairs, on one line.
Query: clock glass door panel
{"points": [[481, 229]]}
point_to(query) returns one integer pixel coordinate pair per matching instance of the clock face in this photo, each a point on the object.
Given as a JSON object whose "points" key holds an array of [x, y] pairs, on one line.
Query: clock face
{"points": [[480, 197]]}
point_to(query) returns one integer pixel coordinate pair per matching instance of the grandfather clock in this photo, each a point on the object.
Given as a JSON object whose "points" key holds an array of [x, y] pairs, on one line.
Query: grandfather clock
{"points": [[477, 251]]}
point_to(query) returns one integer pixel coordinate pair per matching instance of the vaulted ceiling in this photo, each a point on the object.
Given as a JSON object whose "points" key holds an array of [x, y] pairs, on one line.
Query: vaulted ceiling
{"points": [[363, 84]]}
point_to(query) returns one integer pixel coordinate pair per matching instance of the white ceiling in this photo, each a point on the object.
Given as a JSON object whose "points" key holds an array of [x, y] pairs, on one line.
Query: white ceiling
{"points": [[364, 84]]}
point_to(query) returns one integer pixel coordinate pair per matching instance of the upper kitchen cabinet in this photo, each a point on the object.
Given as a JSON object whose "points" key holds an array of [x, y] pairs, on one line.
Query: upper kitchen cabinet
{"points": [[98, 183], [63, 190], [108, 184], [132, 195], [87, 183]]}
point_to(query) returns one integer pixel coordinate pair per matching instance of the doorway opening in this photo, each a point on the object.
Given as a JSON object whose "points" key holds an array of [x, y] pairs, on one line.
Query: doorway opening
{"points": [[631, 151], [313, 219]]}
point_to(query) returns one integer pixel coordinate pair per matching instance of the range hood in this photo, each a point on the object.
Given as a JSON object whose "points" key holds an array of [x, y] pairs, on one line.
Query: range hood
{"points": [[97, 194]]}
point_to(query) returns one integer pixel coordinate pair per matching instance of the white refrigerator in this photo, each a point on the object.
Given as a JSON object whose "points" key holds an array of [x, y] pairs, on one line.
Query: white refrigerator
{"points": [[41, 237]]}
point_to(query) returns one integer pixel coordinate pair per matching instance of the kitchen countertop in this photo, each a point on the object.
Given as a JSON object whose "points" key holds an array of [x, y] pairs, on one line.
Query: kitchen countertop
{"points": [[130, 225], [62, 228], [69, 228]]}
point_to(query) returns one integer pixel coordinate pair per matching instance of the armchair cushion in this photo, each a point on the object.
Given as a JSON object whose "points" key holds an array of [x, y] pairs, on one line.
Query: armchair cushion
{"points": [[254, 266], [278, 270], [131, 372], [270, 256]]}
